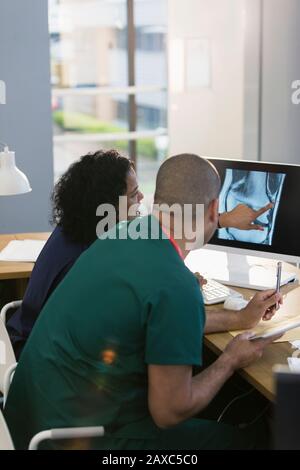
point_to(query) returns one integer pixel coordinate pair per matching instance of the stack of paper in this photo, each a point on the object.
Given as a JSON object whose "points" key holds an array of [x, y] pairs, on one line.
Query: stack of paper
{"points": [[22, 250], [294, 364], [295, 344], [280, 321]]}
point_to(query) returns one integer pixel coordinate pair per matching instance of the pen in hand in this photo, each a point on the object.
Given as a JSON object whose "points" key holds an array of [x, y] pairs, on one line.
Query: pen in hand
{"points": [[278, 281], [271, 310]]}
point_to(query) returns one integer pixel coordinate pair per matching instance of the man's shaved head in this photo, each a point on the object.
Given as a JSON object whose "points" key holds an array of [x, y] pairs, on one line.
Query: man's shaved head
{"points": [[187, 179]]}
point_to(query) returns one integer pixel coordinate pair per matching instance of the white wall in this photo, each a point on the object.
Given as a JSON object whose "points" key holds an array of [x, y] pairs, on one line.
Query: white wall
{"points": [[248, 112], [207, 121], [281, 66], [252, 80]]}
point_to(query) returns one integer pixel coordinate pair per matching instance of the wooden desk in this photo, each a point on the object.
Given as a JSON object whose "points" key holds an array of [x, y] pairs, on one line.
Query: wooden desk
{"points": [[19, 272], [260, 373]]}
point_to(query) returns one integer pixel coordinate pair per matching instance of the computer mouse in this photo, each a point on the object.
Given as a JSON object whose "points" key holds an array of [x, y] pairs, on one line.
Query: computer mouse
{"points": [[235, 303]]}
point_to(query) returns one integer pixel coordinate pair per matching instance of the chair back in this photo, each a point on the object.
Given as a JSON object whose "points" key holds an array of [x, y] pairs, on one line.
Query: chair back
{"points": [[6, 442], [7, 355]]}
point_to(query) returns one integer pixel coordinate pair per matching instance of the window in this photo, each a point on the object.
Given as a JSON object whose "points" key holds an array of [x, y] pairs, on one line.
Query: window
{"points": [[109, 81]]}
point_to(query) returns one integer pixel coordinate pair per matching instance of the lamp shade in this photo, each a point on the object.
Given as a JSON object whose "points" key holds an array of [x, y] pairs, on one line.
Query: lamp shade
{"points": [[12, 180]]}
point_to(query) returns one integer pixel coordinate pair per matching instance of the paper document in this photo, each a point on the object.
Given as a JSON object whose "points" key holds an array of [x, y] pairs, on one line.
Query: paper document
{"points": [[276, 330], [294, 364], [295, 344], [22, 250], [279, 320]]}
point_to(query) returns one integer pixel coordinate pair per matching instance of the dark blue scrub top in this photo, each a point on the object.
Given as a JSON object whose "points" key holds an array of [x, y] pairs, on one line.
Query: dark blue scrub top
{"points": [[53, 263]]}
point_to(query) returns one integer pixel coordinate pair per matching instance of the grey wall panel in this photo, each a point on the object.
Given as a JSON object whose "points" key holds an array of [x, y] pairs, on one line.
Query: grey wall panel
{"points": [[25, 119]]}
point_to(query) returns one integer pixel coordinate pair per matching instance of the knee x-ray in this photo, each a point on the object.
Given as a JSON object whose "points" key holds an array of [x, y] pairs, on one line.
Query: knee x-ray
{"points": [[255, 189]]}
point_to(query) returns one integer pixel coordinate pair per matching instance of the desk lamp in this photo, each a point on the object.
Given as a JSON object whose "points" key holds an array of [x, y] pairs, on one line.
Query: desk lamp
{"points": [[12, 180]]}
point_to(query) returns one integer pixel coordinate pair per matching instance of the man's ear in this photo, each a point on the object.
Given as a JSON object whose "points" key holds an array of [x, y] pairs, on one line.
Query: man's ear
{"points": [[213, 211]]}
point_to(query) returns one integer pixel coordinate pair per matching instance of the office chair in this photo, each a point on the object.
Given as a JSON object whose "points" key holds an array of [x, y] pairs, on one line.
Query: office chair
{"points": [[8, 362], [15, 304], [8, 365], [6, 442]]}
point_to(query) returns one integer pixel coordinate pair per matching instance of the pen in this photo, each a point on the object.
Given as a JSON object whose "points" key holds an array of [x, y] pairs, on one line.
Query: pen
{"points": [[278, 275]]}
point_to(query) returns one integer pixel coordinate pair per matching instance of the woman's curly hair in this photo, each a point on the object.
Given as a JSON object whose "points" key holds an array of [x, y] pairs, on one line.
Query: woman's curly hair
{"points": [[95, 179]]}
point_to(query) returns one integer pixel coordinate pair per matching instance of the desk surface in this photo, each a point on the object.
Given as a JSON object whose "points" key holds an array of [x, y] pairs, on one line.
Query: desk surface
{"points": [[259, 374], [11, 270]]}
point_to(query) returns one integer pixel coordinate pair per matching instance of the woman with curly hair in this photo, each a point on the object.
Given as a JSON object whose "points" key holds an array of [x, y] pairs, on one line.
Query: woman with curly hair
{"points": [[95, 179]]}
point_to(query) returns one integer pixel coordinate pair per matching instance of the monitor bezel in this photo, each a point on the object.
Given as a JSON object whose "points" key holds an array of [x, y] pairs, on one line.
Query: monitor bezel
{"points": [[257, 250]]}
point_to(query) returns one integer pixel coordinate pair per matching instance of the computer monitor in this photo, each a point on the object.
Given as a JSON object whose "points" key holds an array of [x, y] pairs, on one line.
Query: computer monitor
{"points": [[254, 184], [257, 184], [287, 410]]}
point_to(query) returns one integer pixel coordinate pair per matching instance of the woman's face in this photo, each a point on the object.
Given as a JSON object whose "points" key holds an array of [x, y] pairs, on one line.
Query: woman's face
{"points": [[134, 195]]}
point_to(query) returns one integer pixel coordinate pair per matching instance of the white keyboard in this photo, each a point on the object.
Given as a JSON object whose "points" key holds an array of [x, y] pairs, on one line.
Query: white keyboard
{"points": [[215, 293]]}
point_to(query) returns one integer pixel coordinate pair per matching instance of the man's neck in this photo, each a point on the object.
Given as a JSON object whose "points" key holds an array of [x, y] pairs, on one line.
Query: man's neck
{"points": [[181, 242]]}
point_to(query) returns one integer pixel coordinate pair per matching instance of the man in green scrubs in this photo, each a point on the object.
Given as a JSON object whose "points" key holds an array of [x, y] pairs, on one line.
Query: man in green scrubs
{"points": [[116, 342]]}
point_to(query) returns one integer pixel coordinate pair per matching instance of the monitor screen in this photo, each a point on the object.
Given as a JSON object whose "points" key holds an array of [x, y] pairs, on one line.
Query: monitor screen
{"points": [[260, 185]]}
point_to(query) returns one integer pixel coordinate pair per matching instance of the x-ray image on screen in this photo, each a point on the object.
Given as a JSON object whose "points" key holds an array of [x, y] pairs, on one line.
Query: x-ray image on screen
{"points": [[255, 189]]}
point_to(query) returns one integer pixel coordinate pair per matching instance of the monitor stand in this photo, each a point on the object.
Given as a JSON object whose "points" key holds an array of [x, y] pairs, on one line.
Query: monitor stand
{"points": [[239, 270]]}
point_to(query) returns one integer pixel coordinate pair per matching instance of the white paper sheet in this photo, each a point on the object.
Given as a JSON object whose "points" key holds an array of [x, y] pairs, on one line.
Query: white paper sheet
{"points": [[22, 250], [294, 364]]}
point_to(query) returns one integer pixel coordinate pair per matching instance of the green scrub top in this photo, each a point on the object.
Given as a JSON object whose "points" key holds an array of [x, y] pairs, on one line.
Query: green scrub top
{"points": [[126, 303]]}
